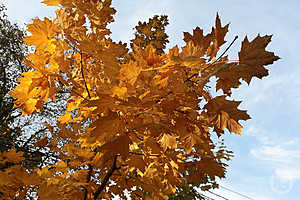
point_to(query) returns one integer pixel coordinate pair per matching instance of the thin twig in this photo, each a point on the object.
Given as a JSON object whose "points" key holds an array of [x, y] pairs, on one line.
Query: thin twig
{"points": [[33, 136], [70, 90], [81, 66], [141, 154], [213, 73], [235, 38]]}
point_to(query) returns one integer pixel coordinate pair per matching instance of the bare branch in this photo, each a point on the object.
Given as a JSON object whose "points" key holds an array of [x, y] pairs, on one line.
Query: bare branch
{"points": [[106, 178]]}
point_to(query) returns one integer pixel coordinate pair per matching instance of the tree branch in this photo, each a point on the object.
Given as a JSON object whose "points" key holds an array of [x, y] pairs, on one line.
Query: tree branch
{"points": [[106, 178], [88, 178], [82, 74], [235, 38], [213, 73], [195, 74], [33, 136]]}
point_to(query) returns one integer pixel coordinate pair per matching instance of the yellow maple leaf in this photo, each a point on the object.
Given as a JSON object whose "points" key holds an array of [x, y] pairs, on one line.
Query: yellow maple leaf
{"points": [[42, 142], [43, 172], [12, 156], [162, 82], [29, 106], [129, 72], [225, 114], [120, 92], [168, 141], [65, 118], [61, 164], [42, 34], [51, 2], [253, 59], [190, 140], [224, 121], [48, 191], [218, 33]]}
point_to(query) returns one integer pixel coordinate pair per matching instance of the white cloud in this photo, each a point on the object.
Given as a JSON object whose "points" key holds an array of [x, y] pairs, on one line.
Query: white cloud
{"points": [[288, 173], [280, 155], [259, 134], [276, 154], [23, 11], [284, 160], [291, 142]]}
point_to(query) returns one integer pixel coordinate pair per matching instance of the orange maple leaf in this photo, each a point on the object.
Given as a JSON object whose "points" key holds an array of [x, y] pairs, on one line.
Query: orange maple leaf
{"points": [[224, 114], [12, 156], [51, 2], [253, 59]]}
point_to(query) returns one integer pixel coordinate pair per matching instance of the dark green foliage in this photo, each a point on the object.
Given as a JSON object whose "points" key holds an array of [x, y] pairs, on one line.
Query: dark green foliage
{"points": [[14, 128], [12, 51], [152, 32], [17, 131]]}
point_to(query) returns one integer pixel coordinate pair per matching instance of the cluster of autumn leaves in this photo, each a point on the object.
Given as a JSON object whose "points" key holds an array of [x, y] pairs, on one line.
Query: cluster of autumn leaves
{"points": [[133, 120]]}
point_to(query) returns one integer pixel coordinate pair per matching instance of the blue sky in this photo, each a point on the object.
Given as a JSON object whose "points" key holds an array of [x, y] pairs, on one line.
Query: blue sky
{"points": [[267, 156]]}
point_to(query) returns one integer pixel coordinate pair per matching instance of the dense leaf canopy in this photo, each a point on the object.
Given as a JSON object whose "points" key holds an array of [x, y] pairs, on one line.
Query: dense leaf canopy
{"points": [[138, 120]]}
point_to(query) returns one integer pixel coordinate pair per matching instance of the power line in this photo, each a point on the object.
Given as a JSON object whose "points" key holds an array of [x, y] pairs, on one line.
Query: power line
{"points": [[218, 195], [206, 197], [242, 195]]}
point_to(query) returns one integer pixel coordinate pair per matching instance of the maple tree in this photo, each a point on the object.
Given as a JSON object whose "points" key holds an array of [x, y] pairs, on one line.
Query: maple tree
{"points": [[16, 131], [12, 124], [137, 123], [12, 54]]}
